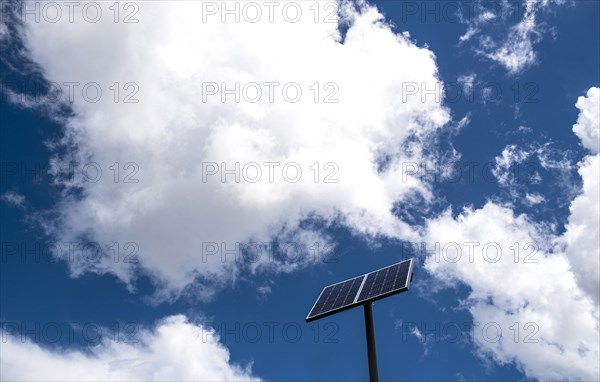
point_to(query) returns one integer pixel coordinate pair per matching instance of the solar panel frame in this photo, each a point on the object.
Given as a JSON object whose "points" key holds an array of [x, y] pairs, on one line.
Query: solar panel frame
{"points": [[356, 302]]}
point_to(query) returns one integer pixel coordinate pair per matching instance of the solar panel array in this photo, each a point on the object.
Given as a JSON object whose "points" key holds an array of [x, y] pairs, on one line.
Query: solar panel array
{"points": [[356, 291]]}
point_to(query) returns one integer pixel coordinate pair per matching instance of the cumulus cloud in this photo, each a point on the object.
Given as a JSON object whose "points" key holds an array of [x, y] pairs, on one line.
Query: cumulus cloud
{"points": [[174, 350], [523, 295], [586, 127], [583, 229], [535, 293], [158, 164]]}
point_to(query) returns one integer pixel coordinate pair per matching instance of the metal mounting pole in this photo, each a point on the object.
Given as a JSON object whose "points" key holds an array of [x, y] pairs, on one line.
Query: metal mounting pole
{"points": [[373, 375]]}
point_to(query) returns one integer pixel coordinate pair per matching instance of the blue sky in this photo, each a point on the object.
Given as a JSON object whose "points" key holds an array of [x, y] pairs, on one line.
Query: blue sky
{"points": [[179, 310]]}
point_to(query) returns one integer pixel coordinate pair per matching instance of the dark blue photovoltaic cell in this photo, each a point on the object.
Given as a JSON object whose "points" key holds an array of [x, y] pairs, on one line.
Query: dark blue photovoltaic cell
{"points": [[385, 280], [336, 296]]}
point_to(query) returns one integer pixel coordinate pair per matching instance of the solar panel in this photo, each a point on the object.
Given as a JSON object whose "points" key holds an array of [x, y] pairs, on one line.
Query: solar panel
{"points": [[335, 298], [386, 281], [356, 291]]}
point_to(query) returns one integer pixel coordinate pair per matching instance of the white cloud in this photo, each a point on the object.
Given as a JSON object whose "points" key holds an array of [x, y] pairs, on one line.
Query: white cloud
{"points": [[170, 53], [467, 81], [468, 34], [582, 234], [13, 198], [539, 290], [175, 350], [583, 231], [424, 339], [515, 49], [518, 168], [586, 127], [557, 323], [3, 30], [534, 198], [503, 167], [516, 53]]}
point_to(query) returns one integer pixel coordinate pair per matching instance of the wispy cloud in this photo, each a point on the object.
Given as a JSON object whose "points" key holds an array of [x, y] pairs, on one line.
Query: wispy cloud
{"points": [[514, 46], [13, 199]]}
